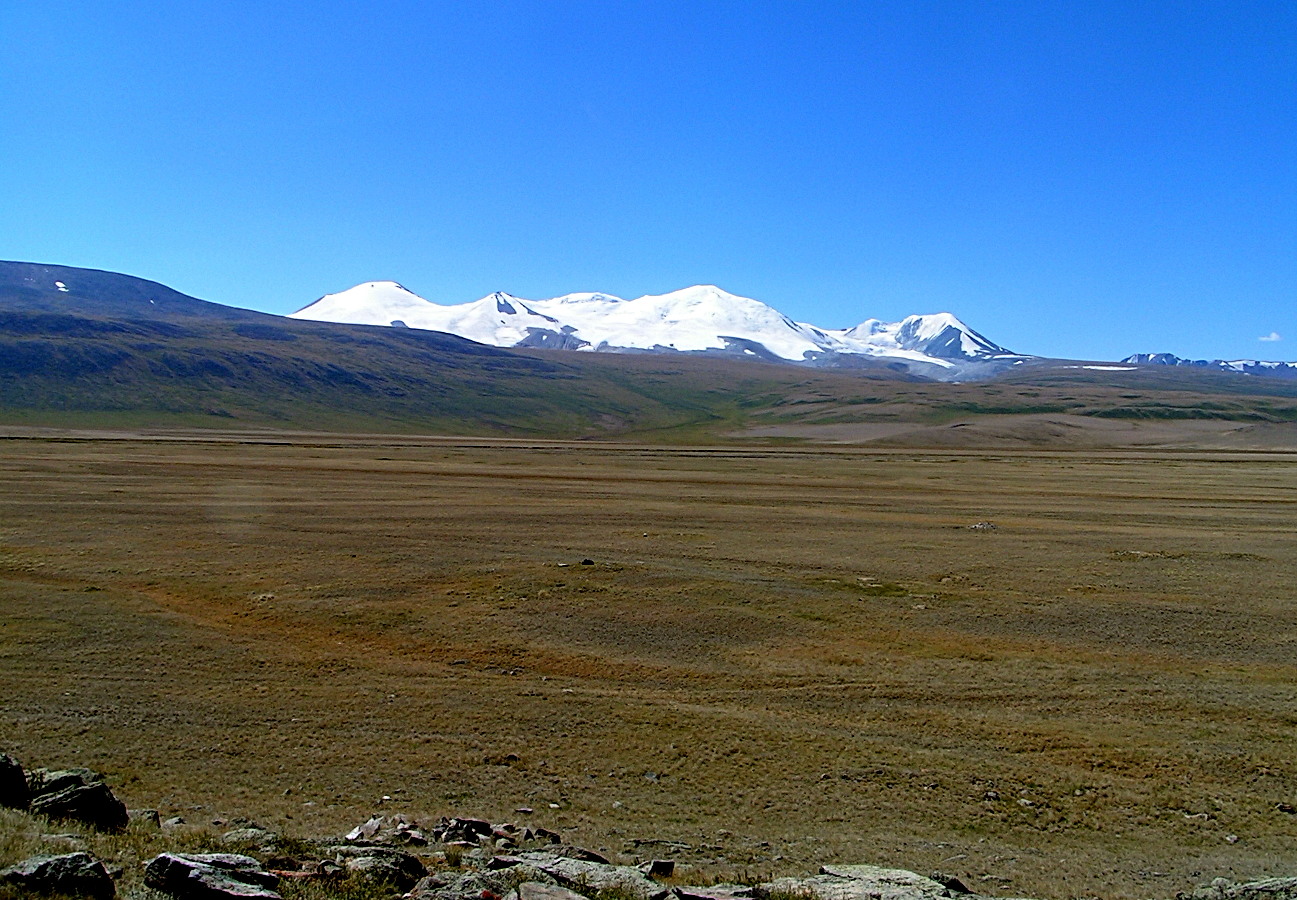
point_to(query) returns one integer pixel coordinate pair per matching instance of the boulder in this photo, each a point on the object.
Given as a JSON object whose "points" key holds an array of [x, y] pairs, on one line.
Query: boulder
{"points": [[539, 890], [586, 874], [863, 883], [381, 864], [471, 885], [1223, 889], [211, 876], [14, 792], [76, 794], [73, 874]]}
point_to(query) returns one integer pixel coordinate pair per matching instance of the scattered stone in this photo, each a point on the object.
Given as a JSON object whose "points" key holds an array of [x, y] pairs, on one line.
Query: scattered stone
{"points": [[1223, 889], [76, 794], [1285, 808], [173, 822], [14, 793], [381, 864], [393, 829], [587, 562], [211, 876], [982, 526], [72, 874]]}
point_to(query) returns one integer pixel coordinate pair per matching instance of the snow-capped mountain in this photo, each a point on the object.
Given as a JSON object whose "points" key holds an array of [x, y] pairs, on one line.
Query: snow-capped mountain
{"points": [[1243, 366], [699, 319]]}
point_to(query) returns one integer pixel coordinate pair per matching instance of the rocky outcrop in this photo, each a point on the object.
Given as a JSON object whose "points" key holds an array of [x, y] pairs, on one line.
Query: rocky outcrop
{"points": [[393, 829], [380, 864], [72, 875], [211, 876], [76, 794], [1223, 889]]}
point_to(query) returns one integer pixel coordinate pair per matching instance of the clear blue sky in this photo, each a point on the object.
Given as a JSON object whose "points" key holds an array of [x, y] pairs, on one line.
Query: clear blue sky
{"points": [[1081, 179]]}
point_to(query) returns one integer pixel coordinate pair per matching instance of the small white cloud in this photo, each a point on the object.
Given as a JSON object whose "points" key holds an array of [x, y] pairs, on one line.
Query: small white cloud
{"points": [[1272, 336]]}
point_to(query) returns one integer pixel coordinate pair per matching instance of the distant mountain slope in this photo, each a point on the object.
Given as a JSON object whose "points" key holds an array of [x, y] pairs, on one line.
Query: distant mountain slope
{"points": [[38, 287], [699, 320], [1243, 366]]}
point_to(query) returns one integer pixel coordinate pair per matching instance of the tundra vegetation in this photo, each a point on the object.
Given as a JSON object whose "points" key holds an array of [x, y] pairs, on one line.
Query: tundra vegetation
{"points": [[767, 658]]}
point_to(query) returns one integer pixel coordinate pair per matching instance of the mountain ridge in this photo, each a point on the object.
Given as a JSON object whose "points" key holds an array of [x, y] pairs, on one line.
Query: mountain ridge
{"points": [[701, 319]]}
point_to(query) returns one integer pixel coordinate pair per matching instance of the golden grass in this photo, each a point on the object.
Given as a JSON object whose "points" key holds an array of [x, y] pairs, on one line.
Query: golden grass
{"points": [[779, 657]]}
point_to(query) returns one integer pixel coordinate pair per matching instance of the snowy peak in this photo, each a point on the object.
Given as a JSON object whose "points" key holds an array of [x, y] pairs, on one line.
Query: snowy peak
{"points": [[944, 336], [703, 318]]}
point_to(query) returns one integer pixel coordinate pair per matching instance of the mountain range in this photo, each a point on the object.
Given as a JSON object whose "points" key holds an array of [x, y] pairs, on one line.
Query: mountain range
{"points": [[699, 320], [1242, 366], [84, 348]]}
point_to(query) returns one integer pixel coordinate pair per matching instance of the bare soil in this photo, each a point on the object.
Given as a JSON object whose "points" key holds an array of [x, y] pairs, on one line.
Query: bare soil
{"points": [[779, 657]]}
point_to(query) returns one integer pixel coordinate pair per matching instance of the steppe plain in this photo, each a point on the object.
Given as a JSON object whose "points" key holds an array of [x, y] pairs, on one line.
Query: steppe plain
{"points": [[777, 656]]}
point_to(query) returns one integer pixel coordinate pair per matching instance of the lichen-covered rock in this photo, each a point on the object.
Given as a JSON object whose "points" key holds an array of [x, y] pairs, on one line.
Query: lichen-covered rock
{"points": [[539, 890], [383, 864], [72, 874], [77, 794], [1267, 889], [587, 874], [863, 883], [14, 793], [211, 876]]}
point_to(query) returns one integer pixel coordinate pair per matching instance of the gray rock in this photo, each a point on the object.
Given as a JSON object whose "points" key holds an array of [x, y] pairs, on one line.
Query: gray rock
{"points": [[863, 883], [73, 874], [49, 781], [211, 876], [381, 864], [1267, 889], [473, 885], [581, 873], [539, 890], [715, 892], [14, 792], [76, 794]]}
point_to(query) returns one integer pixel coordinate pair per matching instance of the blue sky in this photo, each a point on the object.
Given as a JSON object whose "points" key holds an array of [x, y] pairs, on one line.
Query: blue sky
{"points": [[1080, 179]]}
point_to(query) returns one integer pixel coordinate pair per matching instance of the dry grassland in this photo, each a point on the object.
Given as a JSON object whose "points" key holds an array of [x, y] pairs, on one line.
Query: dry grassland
{"points": [[778, 657]]}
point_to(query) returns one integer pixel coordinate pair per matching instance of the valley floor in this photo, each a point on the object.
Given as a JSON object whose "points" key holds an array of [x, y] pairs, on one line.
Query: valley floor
{"points": [[777, 657]]}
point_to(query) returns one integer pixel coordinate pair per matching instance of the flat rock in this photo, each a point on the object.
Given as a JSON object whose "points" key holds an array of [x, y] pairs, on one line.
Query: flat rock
{"points": [[863, 883], [539, 890], [14, 793], [580, 873], [714, 892], [382, 864], [72, 874], [211, 876], [1266, 889]]}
